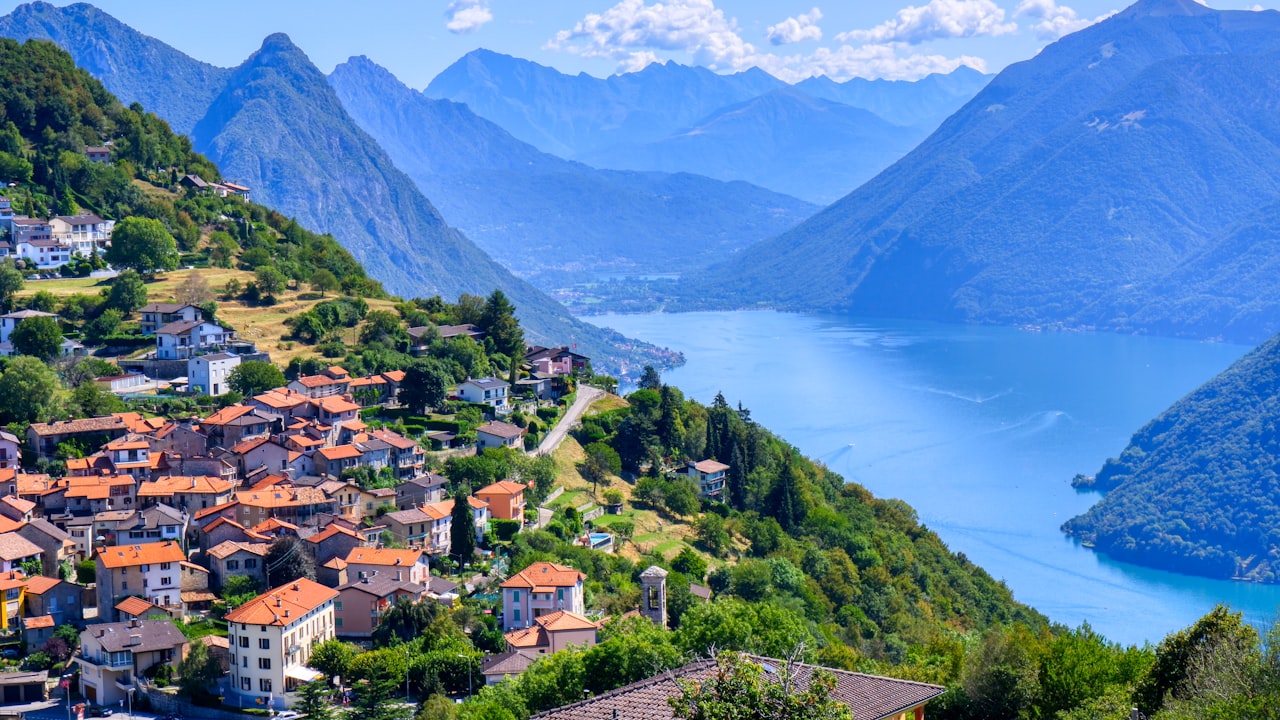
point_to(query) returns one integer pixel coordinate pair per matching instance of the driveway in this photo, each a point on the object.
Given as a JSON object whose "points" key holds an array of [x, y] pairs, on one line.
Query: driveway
{"points": [[586, 396]]}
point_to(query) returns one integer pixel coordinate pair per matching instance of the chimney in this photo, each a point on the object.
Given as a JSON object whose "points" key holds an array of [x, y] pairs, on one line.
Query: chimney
{"points": [[286, 613], [277, 601], [135, 640]]}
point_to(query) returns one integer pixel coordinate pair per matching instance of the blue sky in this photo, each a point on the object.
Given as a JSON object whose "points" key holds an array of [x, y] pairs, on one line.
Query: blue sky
{"points": [[416, 39]]}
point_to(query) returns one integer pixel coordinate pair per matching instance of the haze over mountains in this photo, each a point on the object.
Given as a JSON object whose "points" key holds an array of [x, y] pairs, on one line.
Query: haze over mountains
{"points": [[546, 217], [1102, 183], [674, 118]]}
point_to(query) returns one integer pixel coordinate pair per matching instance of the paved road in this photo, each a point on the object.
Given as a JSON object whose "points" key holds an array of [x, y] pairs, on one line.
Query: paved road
{"points": [[586, 396]]}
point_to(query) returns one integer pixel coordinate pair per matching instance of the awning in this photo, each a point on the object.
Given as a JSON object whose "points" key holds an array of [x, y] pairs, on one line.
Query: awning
{"points": [[302, 672]]}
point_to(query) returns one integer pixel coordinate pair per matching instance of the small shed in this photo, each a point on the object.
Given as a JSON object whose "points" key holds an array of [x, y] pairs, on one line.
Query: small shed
{"points": [[23, 687]]}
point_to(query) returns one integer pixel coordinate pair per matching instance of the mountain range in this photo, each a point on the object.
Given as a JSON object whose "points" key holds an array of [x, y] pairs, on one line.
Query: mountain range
{"points": [[275, 124], [1197, 490], [549, 219], [1107, 182], [747, 126]]}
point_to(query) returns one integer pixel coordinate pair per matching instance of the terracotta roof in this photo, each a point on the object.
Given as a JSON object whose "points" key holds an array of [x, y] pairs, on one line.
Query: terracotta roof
{"points": [[273, 524], [565, 620], [135, 606], [497, 428], [870, 697], [38, 621], [203, 513], [530, 637], [383, 556], [209, 640], [394, 375], [394, 439], [710, 466], [545, 574], [333, 529], [315, 381], [281, 497], [118, 556], [282, 398], [334, 405], [335, 563], [39, 584], [198, 484], [227, 548], [283, 605], [195, 596], [17, 503], [502, 487], [82, 425], [340, 452], [245, 446], [12, 579], [227, 414], [15, 547]]}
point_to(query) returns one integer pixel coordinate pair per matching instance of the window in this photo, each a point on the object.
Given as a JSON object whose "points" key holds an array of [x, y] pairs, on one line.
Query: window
{"points": [[244, 683], [560, 594], [515, 595], [250, 563], [264, 643], [166, 581], [264, 663], [244, 641], [339, 622], [164, 566], [517, 617], [244, 661], [124, 585], [337, 605], [264, 685], [233, 564]]}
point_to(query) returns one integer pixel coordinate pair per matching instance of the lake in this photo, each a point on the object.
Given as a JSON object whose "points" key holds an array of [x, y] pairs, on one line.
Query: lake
{"points": [[980, 429]]}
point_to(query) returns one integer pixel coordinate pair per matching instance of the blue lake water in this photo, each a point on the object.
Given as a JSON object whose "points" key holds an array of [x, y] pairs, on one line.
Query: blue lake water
{"points": [[980, 429]]}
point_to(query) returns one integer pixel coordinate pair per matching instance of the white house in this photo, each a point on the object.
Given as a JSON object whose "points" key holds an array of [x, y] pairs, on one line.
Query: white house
{"points": [[83, 234], [10, 450], [157, 315], [271, 638], [113, 654], [489, 391], [183, 340], [9, 322], [43, 254], [149, 570], [540, 589], [25, 228], [709, 475], [498, 434], [207, 374]]}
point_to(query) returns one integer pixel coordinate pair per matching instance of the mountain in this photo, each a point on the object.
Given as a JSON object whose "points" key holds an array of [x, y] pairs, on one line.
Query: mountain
{"points": [[922, 103], [568, 115], [785, 140], [278, 127], [1198, 489], [543, 216], [133, 66], [1069, 191]]}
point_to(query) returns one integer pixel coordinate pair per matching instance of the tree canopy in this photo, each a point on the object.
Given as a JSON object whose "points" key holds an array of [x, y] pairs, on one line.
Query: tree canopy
{"points": [[142, 244]]}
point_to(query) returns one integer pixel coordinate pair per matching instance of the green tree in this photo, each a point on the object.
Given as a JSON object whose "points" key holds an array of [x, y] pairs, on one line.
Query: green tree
{"points": [[425, 385], [462, 533], [379, 674], [404, 621], [38, 337], [254, 377], [323, 281], [142, 244], [287, 560], [313, 700], [270, 281], [738, 689], [11, 282], [650, 379], [89, 399], [1177, 654], [106, 324], [500, 325], [689, 563], [223, 249], [198, 671], [383, 327], [28, 390], [333, 658], [631, 649], [127, 293], [239, 589], [600, 463]]}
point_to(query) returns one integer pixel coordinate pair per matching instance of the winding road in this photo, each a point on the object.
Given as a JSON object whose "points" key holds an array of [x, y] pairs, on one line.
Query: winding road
{"points": [[586, 396]]}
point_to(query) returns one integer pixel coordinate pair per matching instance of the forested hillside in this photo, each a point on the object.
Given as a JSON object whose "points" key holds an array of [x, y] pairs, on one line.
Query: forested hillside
{"points": [[1197, 490]]}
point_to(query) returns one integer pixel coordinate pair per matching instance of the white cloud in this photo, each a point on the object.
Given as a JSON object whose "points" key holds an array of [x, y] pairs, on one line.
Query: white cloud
{"points": [[937, 20], [633, 34], [464, 16], [796, 29], [1051, 20]]}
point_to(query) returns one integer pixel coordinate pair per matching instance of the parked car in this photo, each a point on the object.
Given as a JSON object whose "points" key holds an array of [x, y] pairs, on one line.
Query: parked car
{"points": [[99, 711]]}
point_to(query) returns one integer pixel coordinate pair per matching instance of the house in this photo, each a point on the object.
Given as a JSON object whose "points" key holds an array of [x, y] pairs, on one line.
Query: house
{"points": [[486, 391], [155, 523], [540, 589], [410, 565], [222, 529], [505, 500], [495, 434], [16, 508], [148, 570], [238, 558], [422, 490], [183, 339], [405, 456], [361, 603], [129, 454], [556, 361], [98, 153], [11, 591], [866, 696], [208, 374], [331, 461], [428, 527], [113, 654], [193, 182], [263, 453], [43, 254], [271, 638], [448, 332], [181, 437], [332, 381], [85, 234], [10, 450], [336, 410], [135, 608], [292, 504], [16, 550], [553, 632], [90, 494], [157, 315], [497, 668], [195, 587], [234, 424], [709, 475], [53, 598], [44, 438], [9, 321], [37, 630], [124, 384], [186, 492], [55, 544], [335, 541], [27, 229]]}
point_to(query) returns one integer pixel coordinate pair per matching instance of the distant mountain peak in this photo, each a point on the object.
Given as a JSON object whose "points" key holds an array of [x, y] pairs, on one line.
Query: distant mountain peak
{"points": [[1166, 8]]}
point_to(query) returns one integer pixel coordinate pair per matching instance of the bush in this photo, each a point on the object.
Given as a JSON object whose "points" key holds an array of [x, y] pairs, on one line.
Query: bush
{"points": [[38, 661], [506, 530], [548, 413]]}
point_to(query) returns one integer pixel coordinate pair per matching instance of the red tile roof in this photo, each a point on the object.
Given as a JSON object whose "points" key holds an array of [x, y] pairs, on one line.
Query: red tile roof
{"points": [[118, 556], [283, 605], [545, 574], [135, 606]]}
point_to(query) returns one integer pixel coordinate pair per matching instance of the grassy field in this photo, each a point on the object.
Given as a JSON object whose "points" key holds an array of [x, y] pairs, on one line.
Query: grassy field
{"points": [[653, 533], [262, 325]]}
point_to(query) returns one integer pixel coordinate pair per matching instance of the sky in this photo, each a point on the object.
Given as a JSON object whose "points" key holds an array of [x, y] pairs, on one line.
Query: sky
{"points": [[792, 39]]}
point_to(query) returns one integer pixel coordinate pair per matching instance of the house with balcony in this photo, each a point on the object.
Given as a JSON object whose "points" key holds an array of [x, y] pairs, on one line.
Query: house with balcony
{"points": [[157, 315], [421, 490], [16, 550], [234, 424], [85, 234], [361, 603], [486, 391], [541, 589], [553, 632], [710, 477], [271, 638], [408, 565], [505, 499], [332, 381], [186, 492], [112, 656], [183, 339], [150, 571]]}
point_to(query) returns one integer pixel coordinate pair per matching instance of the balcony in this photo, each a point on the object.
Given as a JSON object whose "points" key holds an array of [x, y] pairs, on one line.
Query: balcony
{"points": [[111, 660]]}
